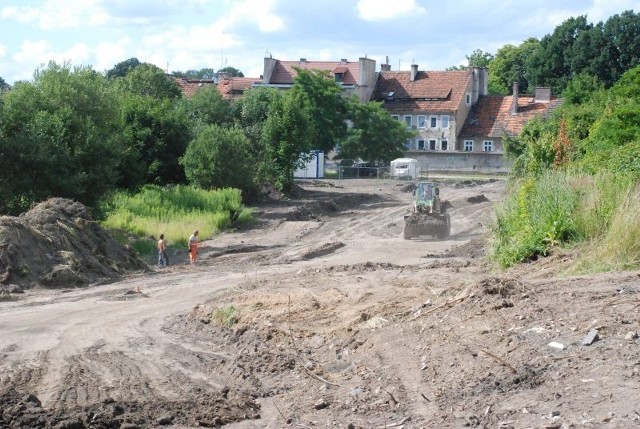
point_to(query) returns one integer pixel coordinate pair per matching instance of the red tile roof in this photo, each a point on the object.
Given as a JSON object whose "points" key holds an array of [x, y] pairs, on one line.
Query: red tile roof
{"points": [[284, 71], [229, 88], [491, 115], [432, 91], [235, 87], [191, 86]]}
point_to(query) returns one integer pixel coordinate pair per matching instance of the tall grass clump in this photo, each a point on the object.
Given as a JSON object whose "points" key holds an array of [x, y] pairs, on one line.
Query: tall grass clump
{"points": [[175, 212], [559, 208], [618, 248], [535, 215], [600, 197]]}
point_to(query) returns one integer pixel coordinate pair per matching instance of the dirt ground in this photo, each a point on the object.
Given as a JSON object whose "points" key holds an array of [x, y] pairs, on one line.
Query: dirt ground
{"points": [[322, 315]]}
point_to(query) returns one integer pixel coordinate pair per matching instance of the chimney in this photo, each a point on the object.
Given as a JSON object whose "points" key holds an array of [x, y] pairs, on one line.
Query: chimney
{"points": [[343, 61], [385, 67], [414, 71], [514, 102], [303, 60], [543, 95]]}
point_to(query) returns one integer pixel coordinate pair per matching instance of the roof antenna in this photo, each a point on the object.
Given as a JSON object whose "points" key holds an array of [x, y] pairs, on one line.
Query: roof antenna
{"points": [[222, 50]]}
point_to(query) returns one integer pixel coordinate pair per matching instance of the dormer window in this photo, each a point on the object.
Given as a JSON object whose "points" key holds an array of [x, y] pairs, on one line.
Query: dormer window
{"points": [[390, 96], [339, 73]]}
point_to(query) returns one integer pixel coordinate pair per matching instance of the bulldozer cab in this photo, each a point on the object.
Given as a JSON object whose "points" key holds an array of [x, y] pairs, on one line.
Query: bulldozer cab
{"points": [[427, 197]]}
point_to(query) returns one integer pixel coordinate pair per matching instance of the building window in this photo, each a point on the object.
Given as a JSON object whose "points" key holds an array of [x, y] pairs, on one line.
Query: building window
{"points": [[408, 144], [339, 77], [432, 145], [468, 145], [407, 120], [468, 99], [487, 146], [444, 145], [396, 117], [433, 122], [444, 121], [422, 121]]}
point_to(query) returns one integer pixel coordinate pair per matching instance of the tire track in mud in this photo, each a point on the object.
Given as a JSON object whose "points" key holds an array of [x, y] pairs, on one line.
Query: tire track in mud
{"points": [[24, 374]]}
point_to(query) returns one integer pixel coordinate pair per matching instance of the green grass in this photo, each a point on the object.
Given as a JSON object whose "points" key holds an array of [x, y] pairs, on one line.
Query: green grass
{"points": [[618, 248], [226, 316], [560, 208], [175, 212]]}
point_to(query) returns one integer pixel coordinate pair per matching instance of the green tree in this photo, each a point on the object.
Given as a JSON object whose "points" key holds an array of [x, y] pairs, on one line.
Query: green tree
{"points": [[59, 136], [551, 63], [155, 129], [123, 68], [509, 65], [231, 71], [478, 58], [218, 158], [374, 135], [250, 114], [622, 33], [286, 137], [618, 123], [206, 107], [205, 73], [155, 136], [319, 93], [149, 80]]}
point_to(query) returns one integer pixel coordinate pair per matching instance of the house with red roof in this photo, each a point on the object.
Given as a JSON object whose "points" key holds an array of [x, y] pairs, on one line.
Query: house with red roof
{"points": [[457, 125], [494, 118], [354, 77], [434, 104]]}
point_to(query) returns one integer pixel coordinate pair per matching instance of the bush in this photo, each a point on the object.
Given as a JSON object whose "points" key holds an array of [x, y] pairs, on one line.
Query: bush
{"points": [[219, 158]]}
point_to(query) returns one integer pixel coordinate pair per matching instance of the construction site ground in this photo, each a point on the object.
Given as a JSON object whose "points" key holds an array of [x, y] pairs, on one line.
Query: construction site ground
{"points": [[320, 315]]}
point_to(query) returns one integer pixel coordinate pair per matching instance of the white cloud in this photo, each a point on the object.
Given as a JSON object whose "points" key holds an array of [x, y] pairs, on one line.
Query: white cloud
{"points": [[383, 10], [35, 54], [108, 54], [32, 52], [601, 10], [23, 15], [258, 12], [3, 50], [59, 14]]}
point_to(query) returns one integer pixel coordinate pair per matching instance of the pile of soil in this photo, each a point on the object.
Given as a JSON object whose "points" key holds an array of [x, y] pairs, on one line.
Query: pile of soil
{"points": [[59, 244]]}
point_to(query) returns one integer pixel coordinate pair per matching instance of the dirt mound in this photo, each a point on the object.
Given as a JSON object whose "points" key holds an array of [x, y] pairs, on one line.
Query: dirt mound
{"points": [[477, 199], [59, 244], [473, 249], [315, 209], [210, 410]]}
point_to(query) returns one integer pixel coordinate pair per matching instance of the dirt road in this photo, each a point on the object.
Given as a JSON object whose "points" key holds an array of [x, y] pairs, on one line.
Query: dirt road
{"points": [[333, 320]]}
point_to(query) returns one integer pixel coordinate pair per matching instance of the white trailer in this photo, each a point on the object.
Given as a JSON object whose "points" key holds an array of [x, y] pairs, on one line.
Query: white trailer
{"points": [[313, 168], [405, 168]]}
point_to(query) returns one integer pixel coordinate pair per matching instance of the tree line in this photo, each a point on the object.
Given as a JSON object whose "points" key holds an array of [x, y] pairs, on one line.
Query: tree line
{"points": [[576, 47], [77, 133]]}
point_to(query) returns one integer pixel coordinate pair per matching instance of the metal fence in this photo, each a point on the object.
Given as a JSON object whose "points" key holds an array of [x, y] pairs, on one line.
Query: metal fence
{"points": [[362, 172]]}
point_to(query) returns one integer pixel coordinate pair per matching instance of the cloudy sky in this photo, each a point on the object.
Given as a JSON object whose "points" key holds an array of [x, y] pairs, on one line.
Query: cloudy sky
{"points": [[194, 34]]}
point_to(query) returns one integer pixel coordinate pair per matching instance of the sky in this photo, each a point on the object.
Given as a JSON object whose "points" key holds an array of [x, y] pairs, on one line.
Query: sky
{"points": [[180, 35]]}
